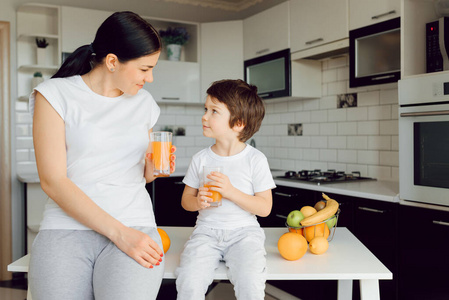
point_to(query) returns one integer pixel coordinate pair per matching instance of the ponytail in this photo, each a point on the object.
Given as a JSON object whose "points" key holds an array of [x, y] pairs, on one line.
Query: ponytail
{"points": [[78, 63]]}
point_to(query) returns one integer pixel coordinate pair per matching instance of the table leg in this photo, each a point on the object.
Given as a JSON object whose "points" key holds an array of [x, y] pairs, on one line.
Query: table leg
{"points": [[344, 290], [369, 289]]}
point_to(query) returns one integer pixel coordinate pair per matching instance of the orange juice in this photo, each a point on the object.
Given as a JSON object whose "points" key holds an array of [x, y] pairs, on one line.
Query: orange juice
{"points": [[161, 158], [216, 196]]}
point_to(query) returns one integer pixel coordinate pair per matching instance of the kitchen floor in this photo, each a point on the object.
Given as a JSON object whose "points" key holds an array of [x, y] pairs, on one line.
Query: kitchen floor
{"points": [[16, 290]]}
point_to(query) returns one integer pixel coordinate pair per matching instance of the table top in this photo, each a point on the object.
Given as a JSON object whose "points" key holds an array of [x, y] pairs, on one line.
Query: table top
{"points": [[346, 258]]}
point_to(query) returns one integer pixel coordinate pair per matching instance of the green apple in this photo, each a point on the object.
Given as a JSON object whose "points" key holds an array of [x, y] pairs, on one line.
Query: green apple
{"points": [[331, 222], [294, 218]]}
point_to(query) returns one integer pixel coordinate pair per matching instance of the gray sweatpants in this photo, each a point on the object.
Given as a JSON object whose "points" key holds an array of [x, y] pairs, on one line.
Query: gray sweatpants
{"points": [[242, 250], [85, 265]]}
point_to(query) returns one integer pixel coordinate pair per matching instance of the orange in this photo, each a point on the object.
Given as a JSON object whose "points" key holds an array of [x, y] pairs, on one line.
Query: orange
{"points": [[316, 230], [165, 239], [292, 246], [297, 230], [318, 245], [307, 211]]}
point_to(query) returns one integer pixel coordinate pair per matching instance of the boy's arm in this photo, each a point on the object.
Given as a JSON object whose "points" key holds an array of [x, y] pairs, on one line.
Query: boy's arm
{"points": [[260, 204], [194, 199]]}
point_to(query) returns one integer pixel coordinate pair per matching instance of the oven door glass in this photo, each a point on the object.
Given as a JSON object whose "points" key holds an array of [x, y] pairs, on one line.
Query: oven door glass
{"points": [[431, 154]]}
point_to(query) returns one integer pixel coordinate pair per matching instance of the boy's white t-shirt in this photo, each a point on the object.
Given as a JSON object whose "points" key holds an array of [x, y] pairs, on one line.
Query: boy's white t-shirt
{"points": [[247, 171], [106, 141]]}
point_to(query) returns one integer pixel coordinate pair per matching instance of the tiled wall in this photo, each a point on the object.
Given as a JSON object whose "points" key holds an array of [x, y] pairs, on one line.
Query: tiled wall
{"points": [[363, 138]]}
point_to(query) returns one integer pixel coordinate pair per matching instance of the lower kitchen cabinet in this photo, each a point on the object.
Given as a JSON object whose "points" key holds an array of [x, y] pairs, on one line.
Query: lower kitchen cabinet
{"points": [[376, 226], [286, 199], [423, 253], [166, 194]]}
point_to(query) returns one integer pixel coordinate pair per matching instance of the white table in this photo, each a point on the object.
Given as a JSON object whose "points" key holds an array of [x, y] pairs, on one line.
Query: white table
{"points": [[346, 260]]}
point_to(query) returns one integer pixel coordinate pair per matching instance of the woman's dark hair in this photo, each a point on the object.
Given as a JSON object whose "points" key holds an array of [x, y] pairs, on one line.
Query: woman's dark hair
{"points": [[124, 34], [241, 99]]}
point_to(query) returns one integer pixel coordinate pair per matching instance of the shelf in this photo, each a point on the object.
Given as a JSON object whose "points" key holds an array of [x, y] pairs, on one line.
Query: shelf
{"points": [[38, 35], [38, 68], [23, 98]]}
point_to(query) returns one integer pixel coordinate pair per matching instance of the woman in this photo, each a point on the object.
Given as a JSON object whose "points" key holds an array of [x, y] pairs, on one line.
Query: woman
{"points": [[91, 125]]}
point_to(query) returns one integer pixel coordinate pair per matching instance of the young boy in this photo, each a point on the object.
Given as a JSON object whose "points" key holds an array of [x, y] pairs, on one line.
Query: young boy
{"points": [[230, 232]]}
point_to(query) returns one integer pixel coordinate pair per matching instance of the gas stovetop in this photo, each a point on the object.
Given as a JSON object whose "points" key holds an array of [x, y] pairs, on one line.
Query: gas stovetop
{"points": [[319, 177]]}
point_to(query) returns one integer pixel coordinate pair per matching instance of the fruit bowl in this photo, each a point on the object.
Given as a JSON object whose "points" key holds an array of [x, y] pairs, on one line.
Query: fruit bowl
{"points": [[325, 228]]}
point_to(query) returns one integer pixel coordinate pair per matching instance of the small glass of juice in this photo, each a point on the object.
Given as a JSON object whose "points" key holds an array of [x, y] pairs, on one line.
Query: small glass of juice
{"points": [[216, 196]]}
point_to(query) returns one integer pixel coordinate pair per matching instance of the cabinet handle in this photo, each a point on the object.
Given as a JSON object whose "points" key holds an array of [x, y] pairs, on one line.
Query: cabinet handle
{"points": [[372, 210], [391, 12], [440, 223], [314, 41], [281, 216], [283, 194], [426, 113], [178, 182], [262, 51], [170, 98]]}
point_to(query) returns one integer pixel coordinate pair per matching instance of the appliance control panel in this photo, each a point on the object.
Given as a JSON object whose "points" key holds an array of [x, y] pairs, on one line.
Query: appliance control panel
{"points": [[425, 88]]}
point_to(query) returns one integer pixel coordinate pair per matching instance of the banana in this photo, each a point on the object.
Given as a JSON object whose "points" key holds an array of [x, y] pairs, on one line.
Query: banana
{"points": [[322, 215]]}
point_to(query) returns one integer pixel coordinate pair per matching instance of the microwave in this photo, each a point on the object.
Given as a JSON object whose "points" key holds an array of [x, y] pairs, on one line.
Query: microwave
{"points": [[437, 45], [375, 54], [271, 73]]}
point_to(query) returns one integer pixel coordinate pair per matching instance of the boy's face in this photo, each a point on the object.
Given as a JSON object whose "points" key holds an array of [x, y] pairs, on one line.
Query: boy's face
{"points": [[216, 120]]}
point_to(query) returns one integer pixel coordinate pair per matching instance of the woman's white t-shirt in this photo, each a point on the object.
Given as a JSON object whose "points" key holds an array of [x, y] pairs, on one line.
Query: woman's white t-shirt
{"points": [[247, 171], [106, 141]]}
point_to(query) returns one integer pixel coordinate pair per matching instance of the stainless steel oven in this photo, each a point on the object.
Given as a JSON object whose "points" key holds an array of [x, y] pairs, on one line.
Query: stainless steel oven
{"points": [[424, 138]]}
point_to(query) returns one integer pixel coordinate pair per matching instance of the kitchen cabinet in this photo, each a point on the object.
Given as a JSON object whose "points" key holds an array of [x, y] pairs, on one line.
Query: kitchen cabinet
{"points": [[365, 12], [35, 200], [79, 26], [376, 226], [267, 31], [286, 199], [166, 193], [423, 259], [317, 22], [221, 52], [36, 21], [175, 82]]}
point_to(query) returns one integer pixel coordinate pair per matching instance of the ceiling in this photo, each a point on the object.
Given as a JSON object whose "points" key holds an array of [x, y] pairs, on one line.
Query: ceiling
{"points": [[183, 10]]}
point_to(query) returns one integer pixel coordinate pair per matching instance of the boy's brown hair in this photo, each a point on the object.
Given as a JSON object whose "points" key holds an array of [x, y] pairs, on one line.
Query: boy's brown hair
{"points": [[243, 103]]}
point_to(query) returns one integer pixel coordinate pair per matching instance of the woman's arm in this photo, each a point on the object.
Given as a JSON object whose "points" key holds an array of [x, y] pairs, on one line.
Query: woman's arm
{"points": [[50, 150]]}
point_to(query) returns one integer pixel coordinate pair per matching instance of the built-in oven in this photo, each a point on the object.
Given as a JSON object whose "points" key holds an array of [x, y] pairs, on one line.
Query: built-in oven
{"points": [[424, 138]]}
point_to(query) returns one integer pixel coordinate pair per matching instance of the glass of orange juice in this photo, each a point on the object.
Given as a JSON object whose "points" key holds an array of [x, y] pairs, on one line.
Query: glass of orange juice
{"points": [[161, 142], [216, 196]]}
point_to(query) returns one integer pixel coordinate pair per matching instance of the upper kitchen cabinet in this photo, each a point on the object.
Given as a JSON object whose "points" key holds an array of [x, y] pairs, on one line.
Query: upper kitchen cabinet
{"points": [[267, 31], [175, 82], [36, 22], [79, 26], [367, 12], [318, 26], [221, 52]]}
